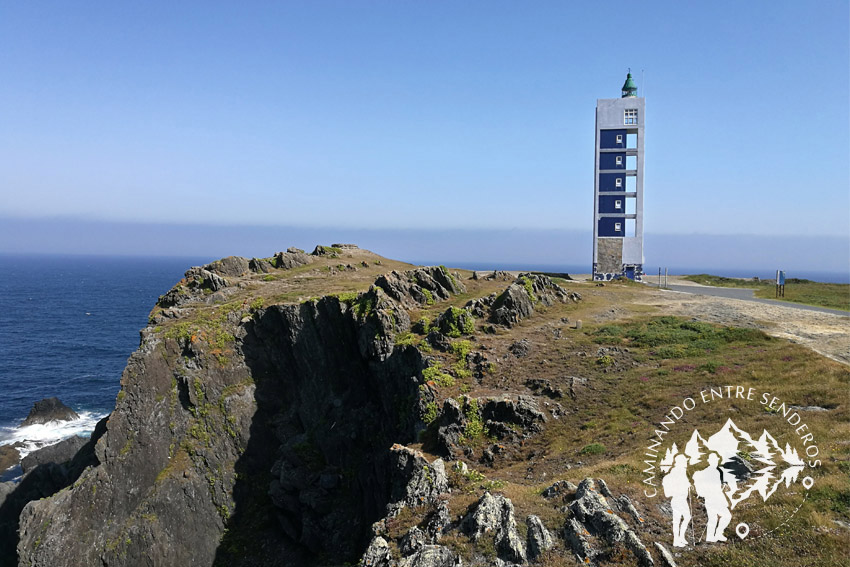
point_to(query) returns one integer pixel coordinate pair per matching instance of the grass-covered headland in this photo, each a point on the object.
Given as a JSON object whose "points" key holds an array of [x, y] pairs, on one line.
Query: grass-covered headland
{"points": [[808, 292]]}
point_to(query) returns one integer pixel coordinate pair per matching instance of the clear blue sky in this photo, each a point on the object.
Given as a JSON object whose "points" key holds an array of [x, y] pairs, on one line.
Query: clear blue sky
{"points": [[422, 114]]}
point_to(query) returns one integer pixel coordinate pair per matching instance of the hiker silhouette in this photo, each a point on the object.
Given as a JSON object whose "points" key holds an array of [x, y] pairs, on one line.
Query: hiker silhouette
{"points": [[709, 485], [676, 487]]}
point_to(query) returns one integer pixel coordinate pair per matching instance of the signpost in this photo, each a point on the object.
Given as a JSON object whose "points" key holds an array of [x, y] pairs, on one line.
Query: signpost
{"points": [[780, 283]]}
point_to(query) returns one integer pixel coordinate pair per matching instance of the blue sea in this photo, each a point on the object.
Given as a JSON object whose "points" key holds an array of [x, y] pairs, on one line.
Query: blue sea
{"points": [[67, 326], [69, 323]]}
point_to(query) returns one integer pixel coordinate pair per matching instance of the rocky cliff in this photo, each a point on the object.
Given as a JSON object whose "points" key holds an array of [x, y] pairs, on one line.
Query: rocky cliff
{"points": [[320, 409]]}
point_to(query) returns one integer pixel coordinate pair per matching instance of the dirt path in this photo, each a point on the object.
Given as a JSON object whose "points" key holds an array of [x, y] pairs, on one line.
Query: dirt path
{"points": [[825, 333]]}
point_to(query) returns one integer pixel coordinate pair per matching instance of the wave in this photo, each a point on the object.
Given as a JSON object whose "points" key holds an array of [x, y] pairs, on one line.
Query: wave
{"points": [[34, 437]]}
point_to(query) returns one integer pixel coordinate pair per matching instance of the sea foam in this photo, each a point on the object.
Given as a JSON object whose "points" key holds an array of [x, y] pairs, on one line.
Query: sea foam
{"points": [[34, 437]]}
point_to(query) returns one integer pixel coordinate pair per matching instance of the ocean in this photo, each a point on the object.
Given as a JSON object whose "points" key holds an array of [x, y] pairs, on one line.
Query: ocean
{"points": [[69, 323], [67, 326]]}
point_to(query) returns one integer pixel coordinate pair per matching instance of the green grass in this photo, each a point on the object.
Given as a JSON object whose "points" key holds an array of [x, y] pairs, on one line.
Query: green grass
{"points": [[672, 337], [831, 295], [435, 374]]}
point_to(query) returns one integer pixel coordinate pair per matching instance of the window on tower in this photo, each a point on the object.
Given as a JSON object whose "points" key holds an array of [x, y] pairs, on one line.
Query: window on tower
{"points": [[619, 160], [618, 204], [619, 138], [617, 227], [630, 116], [618, 182]]}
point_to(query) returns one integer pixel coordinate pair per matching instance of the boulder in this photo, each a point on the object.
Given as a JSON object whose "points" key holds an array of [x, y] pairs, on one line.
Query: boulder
{"points": [[520, 348], [195, 284], [539, 539], [562, 489], [292, 258], [59, 453], [518, 300], [666, 557], [479, 364], [498, 275], [415, 481], [513, 305], [412, 541], [232, 266], [452, 425], [379, 324], [592, 509], [494, 517], [576, 536], [522, 412], [431, 556], [47, 410], [260, 265], [544, 387], [480, 306], [438, 341], [422, 286], [454, 322], [378, 554], [438, 521], [9, 456]]}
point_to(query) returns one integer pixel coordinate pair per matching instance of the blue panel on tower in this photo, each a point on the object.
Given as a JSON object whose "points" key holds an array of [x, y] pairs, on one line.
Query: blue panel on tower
{"points": [[611, 203], [608, 181], [614, 160], [608, 226], [610, 139]]}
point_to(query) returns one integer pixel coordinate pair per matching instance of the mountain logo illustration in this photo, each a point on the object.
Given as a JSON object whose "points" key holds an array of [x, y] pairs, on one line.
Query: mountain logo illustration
{"points": [[724, 470]]}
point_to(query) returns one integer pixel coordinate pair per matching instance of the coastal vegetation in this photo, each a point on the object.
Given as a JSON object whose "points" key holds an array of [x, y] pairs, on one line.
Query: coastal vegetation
{"points": [[807, 292], [284, 404]]}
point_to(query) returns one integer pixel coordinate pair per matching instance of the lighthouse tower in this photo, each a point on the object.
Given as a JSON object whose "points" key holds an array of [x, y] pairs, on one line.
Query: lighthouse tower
{"points": [[618, 186]]}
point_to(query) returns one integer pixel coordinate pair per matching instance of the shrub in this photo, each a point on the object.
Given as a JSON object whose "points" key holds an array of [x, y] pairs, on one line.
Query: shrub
{"points": [[435, 374], [430, 413], [593, 449]]}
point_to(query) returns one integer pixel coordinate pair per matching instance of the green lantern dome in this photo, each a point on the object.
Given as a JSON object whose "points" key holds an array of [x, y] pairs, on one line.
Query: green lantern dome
{"points": [[629, 87]]}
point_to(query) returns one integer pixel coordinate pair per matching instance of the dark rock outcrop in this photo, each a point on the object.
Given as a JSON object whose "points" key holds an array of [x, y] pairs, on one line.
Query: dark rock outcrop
{"points": [[666, 557], [232, 266], [422, 286], [539, 539], [378, 554], [59, 453], [451, 425], [593, 514], [274, 424], [522, 413], [195, 284], [544, 387], [46, 475], [415, 482], [9, 456], [47, 410], [438, 341], [454, 322], [260, 265], [292, 258], [267, 433], [518, 300], [520, 349], [503, 418], [480, 306], [431, 556], [561, 489], [493, 517]]}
